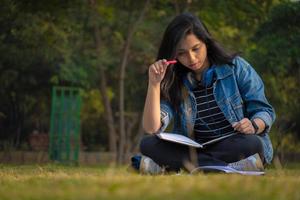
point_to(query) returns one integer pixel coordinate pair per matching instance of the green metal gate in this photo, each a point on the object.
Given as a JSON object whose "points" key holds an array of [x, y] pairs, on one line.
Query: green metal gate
{"points": [[65, 125]]}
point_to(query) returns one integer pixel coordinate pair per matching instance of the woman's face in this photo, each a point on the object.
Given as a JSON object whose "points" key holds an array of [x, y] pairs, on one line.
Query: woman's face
{"points": [[192, 53]]}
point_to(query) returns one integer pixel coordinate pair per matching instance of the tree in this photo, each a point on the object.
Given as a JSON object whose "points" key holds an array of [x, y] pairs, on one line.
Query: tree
{"points": [[276, 55], [37, 51]]}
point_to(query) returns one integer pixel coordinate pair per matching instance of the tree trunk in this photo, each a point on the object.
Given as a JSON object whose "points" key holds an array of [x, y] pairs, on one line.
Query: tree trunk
{"points": [[182, 6], [131, 122], [103, 90], [130, 33], [108, 114], [176, 5], [139, 134]]}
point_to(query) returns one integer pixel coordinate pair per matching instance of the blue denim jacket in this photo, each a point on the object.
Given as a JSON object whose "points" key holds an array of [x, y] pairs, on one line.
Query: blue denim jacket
{"points": [[239, 92]]}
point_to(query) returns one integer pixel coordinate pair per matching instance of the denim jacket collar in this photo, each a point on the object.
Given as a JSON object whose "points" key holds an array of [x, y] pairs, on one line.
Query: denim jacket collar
{"points": [[189, 81], [221, 72]]}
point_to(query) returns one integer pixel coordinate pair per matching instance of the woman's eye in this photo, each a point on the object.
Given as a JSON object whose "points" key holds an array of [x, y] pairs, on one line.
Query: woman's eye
{"points": [[196, 49]]}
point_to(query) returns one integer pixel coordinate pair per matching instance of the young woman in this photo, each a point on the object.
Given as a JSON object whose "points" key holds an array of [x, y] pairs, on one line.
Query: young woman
{"points": [[207, 94]]}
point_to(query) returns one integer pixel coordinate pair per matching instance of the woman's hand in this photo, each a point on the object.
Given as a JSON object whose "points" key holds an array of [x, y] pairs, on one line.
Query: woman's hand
{"points": [[244, 126], [157, 71]]}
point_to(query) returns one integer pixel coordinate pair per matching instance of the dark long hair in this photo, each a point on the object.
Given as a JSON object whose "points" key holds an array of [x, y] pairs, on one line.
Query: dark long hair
{"points": [[180, 26]]}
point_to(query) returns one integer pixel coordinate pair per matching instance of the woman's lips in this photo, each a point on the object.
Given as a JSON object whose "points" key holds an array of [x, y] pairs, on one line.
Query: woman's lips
{"points": [[194, 64]]}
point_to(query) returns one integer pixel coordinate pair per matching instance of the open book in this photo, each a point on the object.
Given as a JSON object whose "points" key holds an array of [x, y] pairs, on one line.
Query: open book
{"points": [[226, 169], [181, 139]]}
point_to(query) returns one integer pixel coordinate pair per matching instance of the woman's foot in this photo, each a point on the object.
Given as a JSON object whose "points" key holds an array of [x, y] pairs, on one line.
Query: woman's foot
{"points": [[148, 166], [251, 163]]}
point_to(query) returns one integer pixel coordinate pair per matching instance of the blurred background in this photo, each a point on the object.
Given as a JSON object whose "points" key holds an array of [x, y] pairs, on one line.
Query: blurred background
{"points": [[103, 50]]}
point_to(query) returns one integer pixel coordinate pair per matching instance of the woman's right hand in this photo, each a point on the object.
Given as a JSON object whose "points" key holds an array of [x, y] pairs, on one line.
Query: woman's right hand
{"points": [[157, 71]]}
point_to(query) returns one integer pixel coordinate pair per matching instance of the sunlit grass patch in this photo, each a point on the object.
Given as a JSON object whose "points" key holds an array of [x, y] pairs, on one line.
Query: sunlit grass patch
{"points": [[59, 182]]}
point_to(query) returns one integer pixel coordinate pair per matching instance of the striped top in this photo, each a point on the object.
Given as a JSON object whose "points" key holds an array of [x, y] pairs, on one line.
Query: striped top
{"points": [[210, 121]]}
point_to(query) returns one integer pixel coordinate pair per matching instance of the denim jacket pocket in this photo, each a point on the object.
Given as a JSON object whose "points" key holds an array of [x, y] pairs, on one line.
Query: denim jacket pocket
{"points": [[237, 106], [225, 107]]}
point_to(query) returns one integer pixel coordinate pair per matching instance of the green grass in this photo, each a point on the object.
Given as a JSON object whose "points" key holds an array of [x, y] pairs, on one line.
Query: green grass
{"points": [[58, 182]]}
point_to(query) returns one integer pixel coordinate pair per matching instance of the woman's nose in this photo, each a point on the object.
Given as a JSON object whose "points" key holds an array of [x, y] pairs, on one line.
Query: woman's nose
{"points": [[191, 56]]}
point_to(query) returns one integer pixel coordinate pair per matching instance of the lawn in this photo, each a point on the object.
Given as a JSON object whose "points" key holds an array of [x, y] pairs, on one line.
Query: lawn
{"points": [[61, 182]]}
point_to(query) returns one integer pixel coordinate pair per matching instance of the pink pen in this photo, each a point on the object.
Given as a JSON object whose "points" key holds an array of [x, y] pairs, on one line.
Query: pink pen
{"points": [[170, 62]]}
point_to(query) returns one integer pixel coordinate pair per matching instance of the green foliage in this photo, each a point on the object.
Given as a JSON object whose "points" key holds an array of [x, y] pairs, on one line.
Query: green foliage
{"points": [[45, 43], [232, 22], [36, 51], [93, 120], [276, 56]]}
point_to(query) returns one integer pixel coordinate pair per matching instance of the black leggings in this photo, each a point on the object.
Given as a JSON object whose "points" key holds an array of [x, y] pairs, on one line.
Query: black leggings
{"points": [[174, 156]]}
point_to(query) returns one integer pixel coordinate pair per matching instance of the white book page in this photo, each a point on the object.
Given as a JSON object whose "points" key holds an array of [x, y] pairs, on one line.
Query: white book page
{"points": [[228, 169], [181, 139]]}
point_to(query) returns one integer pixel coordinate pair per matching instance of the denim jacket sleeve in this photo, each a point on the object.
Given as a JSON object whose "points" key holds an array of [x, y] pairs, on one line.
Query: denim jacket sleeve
{"points": [[166, 115], [252, 91]]}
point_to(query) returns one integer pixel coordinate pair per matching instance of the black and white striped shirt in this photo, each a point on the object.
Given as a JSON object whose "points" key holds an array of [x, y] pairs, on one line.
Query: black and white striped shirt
{"points": [[210, 121]]}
